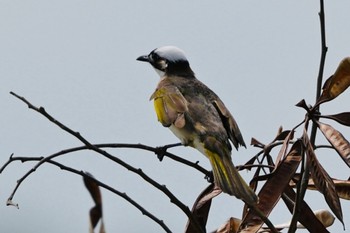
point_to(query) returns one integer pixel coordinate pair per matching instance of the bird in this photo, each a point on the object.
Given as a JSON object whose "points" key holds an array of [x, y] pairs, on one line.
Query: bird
{"points": [[197, 116]]}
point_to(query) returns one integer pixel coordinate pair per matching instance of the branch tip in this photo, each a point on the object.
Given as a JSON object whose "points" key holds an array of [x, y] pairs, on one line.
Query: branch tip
{"points": [[9, 202]]}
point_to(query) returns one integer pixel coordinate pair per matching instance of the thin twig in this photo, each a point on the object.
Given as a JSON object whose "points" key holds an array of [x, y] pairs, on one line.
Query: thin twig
{"points": [[174, 157], [138, 171], [121, 194], [99, 183]]}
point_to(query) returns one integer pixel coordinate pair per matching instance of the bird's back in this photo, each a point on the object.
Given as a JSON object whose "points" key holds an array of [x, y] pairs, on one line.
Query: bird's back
{"points": [[202, 116]]}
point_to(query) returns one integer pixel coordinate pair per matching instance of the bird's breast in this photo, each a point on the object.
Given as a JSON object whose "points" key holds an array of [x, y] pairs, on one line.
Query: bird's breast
{"points": [[185, 137]]}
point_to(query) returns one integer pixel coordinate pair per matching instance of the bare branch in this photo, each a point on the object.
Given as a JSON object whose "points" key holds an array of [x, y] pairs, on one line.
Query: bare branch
{"points": [[138, 171], [324, 49], [98, 182]]}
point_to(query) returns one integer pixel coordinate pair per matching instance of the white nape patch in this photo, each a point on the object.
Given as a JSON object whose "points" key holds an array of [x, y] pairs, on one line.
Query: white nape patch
{"points": [[160, 73], [171, 53]]}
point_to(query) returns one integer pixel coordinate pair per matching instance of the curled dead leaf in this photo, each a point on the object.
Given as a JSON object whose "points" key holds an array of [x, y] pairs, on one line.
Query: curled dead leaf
{"points": [[272, 190], [337, 83], [201, 207], [324, 216], [341, 186], [256, 143], [96, 211], [342, 118], [284, 147], [231, 226], [323, 182], [302, 104], [283, 135], [337, 140]]}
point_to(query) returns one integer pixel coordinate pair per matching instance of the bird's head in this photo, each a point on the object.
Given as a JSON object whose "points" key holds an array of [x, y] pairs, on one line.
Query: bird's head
{"points": [[168, 60]]}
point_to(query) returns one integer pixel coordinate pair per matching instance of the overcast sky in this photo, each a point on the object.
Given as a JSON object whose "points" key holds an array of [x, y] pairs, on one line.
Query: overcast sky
{"points": [[78, 60]]}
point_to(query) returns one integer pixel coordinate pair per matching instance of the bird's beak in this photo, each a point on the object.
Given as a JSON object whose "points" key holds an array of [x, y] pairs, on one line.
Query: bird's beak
{"points": [[143, 58]]}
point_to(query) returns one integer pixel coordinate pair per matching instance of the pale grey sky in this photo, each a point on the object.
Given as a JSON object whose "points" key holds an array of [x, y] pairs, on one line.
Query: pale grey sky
{"points": [[78, 60]]}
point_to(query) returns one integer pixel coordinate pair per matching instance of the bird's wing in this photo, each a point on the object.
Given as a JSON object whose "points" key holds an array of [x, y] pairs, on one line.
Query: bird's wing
{"points": [[170, 105], [229, 124]]}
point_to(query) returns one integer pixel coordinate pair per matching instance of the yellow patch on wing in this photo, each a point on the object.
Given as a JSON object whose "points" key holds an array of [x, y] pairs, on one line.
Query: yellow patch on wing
{"points": [[170, 106], [161, 111]]}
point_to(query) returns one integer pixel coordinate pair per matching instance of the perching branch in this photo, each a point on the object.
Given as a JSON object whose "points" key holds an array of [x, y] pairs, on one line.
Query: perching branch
{"points": [[172, 156], [138, 171]]}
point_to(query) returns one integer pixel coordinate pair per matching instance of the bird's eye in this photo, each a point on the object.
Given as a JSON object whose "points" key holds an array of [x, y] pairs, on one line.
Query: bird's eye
{"points": [[154, 57]]}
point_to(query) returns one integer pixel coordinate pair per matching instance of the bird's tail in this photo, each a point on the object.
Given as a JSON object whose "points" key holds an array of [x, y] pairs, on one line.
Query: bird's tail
{"points": [[229, 180]]}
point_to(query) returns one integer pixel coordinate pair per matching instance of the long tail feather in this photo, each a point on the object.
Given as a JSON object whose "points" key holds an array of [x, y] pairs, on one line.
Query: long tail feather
{"points": [[229, 180]]}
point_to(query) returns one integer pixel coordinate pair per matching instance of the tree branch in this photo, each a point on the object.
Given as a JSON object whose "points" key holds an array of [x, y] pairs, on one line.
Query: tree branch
{"points": [[324, 50], [138, 171], [99, 183]]}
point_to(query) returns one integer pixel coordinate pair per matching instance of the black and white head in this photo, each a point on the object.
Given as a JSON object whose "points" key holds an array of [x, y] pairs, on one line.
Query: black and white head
{"points": [[168, 60]]}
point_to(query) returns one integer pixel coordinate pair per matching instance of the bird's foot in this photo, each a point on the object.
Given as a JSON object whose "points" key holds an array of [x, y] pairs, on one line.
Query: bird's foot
{"points": [[210, 177]]}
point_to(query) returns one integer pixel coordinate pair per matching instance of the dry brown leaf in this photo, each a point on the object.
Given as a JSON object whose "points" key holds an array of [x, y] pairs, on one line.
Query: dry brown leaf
{"points": [[323, 182], [302, 104], [324, 216], [96, 211], [307, 218], [201, 207], [256, 143], [284, 148], [271, 192], [341, 186], [283, 135], [337, 140], [342, 118], [231, 226], [337, 83]]}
